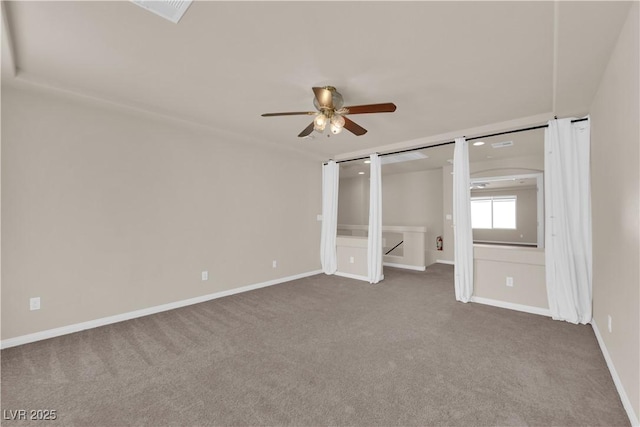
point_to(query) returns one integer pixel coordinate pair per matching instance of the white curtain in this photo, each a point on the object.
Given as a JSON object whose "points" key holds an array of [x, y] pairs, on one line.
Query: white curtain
{"points": [[374, 247], [330, 180], [463, 248], [568, 220]]}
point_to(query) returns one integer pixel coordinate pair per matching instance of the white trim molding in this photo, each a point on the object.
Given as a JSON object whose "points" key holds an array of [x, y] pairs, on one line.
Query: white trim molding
{"points": [[444, 261], [450, 136], [633, 417], [512, 306], [77, 327], [352, 276], [405, 266]]}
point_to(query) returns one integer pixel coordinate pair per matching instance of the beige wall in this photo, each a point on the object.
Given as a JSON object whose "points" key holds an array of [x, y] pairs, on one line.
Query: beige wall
{"points": [[105, 211], [351, 254], [492, 266], [353, 201], [415, 198], [410, 199], [615, 185], [526, 230]]}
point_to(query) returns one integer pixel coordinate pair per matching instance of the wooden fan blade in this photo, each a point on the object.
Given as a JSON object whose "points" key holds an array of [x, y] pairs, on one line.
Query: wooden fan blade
{"points": [[306, 131], [353, 127], [324, 97], [295, 113], [388, 107]]}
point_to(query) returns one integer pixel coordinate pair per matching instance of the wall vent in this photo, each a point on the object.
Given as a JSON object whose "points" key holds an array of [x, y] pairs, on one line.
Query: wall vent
{"points": [[502, 144], [171, 10]]}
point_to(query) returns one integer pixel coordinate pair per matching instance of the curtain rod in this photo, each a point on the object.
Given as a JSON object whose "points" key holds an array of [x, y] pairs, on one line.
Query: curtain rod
{"points": [[453, 142]]}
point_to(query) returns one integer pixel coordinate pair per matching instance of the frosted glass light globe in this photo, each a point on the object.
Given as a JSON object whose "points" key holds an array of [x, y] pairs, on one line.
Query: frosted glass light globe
{"points": [[337, 120], [320, 122]]}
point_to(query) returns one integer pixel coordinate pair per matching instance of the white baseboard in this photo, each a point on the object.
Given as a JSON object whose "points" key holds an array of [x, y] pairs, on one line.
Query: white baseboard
{"points": [[405, 266], [64, 330], [633, 418], [496, 242], [351, 276], [512, 306], [444, 261]]}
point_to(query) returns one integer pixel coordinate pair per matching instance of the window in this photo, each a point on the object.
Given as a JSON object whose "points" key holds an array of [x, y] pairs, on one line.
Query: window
{"points": [[493, 212]]}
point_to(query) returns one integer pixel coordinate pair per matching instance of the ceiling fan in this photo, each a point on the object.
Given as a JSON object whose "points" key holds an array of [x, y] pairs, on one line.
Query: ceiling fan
{"points": [[329, 104]]}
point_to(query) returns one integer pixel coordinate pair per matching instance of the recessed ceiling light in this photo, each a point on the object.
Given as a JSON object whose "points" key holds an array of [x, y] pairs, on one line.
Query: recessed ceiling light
{"points": [[360, 173], [478, 143], [367, 161]]}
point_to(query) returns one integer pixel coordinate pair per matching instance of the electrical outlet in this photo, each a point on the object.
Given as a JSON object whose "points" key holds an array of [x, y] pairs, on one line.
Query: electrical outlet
{"points": [[609, 323], [34, 303], [510, 281], [275, 264], [205, 275], [352, 260], [319, 217]]}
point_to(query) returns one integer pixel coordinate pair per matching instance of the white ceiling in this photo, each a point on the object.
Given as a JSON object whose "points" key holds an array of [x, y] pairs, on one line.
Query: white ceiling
{"points": [[446, 65]]}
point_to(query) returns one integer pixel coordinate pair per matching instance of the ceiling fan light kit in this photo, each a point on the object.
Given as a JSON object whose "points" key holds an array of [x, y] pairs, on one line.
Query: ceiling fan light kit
{"points": [[337, 123], [329, 103], [319, 123]]}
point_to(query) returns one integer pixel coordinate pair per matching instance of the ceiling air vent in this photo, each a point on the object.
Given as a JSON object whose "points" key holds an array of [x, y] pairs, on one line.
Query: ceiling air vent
{"points": [[168, 9], [402, 157], [478, 185], [502, 144]]}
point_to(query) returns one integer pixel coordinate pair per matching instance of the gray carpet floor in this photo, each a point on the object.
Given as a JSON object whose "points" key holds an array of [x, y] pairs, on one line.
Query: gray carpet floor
{"points": [[321, 351]]}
